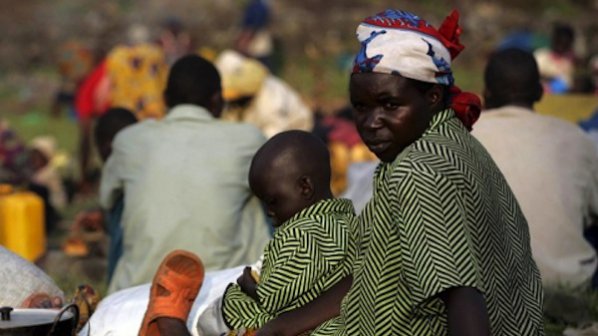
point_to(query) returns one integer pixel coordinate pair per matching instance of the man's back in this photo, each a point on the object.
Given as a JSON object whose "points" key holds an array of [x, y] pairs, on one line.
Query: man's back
{"points": [[185, 182], [552, 169]]}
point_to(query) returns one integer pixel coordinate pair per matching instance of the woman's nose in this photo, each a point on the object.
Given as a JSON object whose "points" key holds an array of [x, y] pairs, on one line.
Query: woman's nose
{"points": [[372, 120]]}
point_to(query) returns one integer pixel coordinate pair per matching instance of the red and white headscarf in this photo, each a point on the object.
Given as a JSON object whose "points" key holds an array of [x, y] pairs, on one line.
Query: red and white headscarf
{"points": [[399, 42]]}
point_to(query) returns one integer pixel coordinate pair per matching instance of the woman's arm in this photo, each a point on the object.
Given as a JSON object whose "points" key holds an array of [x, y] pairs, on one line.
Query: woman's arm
{"points": [[467, 314], [311, 315]]}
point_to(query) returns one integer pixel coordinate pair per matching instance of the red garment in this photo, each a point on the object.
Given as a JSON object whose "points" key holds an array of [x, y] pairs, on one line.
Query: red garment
{"points": [[341, 130], [86, 98]]}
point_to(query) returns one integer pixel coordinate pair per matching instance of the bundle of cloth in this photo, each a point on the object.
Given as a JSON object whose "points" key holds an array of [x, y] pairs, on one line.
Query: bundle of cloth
{"points": [[121, 313]]}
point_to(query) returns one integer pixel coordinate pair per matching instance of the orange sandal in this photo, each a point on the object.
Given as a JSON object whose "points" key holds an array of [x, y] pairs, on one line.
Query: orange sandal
{"points": [[174, 289]]}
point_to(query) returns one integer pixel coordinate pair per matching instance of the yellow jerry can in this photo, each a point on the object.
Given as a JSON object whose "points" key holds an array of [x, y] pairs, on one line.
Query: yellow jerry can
{"points": [[22, 227]]}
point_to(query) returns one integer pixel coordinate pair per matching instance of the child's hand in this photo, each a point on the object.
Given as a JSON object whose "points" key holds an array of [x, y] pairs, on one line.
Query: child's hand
{"points": [[248, 284]]}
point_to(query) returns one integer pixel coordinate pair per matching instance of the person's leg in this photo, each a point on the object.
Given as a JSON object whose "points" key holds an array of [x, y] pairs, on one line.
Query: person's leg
{"points": [[591, 235]]}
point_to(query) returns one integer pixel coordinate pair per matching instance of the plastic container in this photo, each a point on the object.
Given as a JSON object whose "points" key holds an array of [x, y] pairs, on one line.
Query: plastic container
{"points": [[22, 227]]}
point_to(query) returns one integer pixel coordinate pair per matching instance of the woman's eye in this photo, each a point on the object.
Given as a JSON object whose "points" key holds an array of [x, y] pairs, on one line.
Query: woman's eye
{"points": [[390, 105], [358, 107]]}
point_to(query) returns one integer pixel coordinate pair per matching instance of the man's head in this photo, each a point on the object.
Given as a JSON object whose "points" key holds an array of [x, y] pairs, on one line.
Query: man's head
{"points": [[108, 125], [289, 173], [401, 78], [563, 37], [511, 77], [194, 80]]}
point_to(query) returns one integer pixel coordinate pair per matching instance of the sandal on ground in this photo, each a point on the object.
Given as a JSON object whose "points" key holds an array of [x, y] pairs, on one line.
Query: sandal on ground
{"points": [[174, 289]]}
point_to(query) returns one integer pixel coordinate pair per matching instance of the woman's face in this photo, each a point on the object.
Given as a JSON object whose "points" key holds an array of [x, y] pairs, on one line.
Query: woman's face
{"points": [[390, 113]]}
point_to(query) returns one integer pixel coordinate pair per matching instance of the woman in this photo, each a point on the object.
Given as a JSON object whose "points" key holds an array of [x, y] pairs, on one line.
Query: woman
{"points": [[443, 247]]}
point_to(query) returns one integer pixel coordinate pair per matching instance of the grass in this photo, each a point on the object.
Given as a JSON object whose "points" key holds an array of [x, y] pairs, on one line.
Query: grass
{"points": [[37, 121]]}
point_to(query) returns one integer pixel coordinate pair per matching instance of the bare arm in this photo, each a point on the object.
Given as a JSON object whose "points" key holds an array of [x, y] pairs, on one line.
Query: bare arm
{"points": [[467, 314], [311, 315]]}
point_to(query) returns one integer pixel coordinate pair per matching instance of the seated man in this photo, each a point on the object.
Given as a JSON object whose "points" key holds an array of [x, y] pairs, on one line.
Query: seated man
{"points": [[551, 165], [184, 180]]}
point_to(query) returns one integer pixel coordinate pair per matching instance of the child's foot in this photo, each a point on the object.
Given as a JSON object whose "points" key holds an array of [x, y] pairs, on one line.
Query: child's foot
{"points": [[174, 289]]}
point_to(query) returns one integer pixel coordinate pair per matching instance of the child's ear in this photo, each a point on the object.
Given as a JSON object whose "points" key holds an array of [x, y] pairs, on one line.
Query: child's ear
{"points": [[306, 187]]}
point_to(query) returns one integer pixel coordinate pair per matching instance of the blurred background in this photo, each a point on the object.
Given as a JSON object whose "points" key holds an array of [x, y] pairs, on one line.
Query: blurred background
{"points": [[47, 48]]}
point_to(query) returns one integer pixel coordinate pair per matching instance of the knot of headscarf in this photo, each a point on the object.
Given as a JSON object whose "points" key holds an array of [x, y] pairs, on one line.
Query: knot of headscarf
{"points": [[399, 42], [467, 106]]}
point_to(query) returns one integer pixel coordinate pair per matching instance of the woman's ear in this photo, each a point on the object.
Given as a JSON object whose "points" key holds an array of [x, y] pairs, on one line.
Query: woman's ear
{"points": [[435, 96], [306, 187]]}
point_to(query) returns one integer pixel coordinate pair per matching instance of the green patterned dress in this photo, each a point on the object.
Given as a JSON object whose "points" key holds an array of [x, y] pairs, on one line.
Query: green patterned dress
{"points": [[442, 216], [307, 255]]}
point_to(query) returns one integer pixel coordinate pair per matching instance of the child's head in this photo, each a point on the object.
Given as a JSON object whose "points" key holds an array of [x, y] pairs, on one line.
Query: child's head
{"points": [[108, 125], [289, 173], [42, 150]]}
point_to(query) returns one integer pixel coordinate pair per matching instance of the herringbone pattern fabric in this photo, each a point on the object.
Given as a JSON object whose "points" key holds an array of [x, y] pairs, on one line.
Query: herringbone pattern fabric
{"points": [[442, 216], [307, 255]]}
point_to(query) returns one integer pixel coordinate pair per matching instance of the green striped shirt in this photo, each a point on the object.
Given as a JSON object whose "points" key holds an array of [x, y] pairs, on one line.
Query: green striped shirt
{"points": [[442, 216], [307, 255]]}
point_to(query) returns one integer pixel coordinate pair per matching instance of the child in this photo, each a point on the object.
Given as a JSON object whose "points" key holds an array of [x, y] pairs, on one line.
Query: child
{"points": [[308, 253], [45, 180], [291, 175]]}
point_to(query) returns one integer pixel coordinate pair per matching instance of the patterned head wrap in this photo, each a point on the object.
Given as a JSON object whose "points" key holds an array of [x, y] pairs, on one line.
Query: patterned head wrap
{"points": [[399, 42]]}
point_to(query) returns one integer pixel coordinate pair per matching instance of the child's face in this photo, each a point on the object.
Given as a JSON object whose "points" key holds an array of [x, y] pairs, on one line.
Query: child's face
{"points": [[280, 193], [37, 160]]}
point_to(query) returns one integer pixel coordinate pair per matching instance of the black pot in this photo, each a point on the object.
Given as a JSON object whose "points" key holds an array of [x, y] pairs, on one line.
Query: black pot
{"points": [[39, 322]]}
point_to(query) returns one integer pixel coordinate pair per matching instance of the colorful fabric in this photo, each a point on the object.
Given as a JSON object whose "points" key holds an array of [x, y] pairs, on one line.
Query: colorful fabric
{"points": [[557, 70], [138, 78], [241, 76], [307, 255], [274, 106], [399, 42], [442, 216], [13, 156], [257, 20], [88, 100], [74, 62]]}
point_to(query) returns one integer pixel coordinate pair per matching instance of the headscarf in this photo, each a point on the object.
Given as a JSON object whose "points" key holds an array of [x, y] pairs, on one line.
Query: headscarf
{"points": [[399, 42]]}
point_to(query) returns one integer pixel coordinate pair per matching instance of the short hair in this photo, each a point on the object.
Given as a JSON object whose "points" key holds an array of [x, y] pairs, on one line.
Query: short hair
{"points": [[512, 76], [308, 153], [192, 80], [563, 30], [111, 122]]}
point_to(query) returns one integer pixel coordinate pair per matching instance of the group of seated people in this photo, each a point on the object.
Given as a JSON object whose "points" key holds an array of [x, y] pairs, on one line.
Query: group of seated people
{"points": [[470, 215]]}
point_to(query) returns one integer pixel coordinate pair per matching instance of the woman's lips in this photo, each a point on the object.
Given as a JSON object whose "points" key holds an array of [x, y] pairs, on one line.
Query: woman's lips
{"points": [[379, 147]]}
